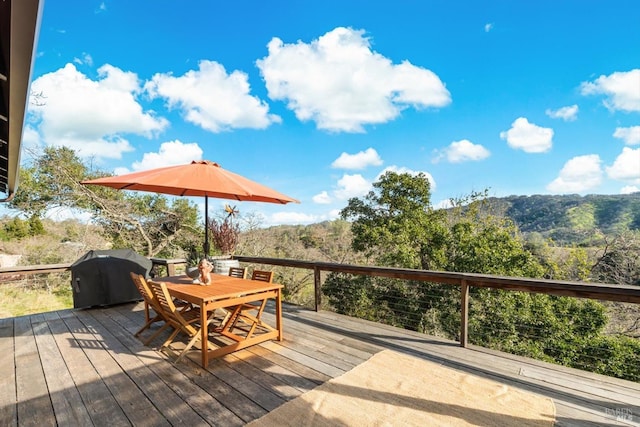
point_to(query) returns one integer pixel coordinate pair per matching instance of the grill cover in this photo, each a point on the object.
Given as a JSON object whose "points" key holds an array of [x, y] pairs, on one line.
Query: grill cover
{"points": [[102, 277]]}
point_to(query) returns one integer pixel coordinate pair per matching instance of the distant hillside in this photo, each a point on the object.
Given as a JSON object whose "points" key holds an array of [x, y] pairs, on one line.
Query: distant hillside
{"points": [[567, 219], [572, 218]]}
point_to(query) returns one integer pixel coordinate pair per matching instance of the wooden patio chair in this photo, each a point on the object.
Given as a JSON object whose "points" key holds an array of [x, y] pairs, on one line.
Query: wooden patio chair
{"points": [[262, 276], [150, 302], [182, 321], [243, 314], [239, 272]]}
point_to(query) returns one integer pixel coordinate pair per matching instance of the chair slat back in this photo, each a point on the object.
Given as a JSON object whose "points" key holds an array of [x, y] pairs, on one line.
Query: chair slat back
{"points": [[239, 272], [145, 293], [162, 296], [161, 293], [145, 290], [262, 276]]}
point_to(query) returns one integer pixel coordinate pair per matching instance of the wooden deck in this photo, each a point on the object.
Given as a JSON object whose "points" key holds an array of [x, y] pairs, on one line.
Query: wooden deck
{"points": [[84, 367]]}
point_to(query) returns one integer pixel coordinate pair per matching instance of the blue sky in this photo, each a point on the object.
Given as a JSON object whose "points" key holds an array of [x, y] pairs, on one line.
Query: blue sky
{"points": [[317, 99]]}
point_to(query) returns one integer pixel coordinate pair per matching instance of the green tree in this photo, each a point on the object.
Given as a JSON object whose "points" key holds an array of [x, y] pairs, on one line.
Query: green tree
{"points": [[395, 224], [35, 226], [619, 261], [147, 223], [481, 241], [613, 356], [16, 228]]}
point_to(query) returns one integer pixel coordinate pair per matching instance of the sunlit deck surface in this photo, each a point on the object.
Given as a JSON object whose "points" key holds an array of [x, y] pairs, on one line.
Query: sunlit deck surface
{"points": [[84, 367]]}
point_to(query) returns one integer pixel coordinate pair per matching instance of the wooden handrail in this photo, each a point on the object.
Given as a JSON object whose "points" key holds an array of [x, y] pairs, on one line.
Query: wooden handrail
{"points": [[57, 268], [600, 291], [36, 269]]}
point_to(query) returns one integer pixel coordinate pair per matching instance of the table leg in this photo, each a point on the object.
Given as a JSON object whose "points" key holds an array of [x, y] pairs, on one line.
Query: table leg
{"points": [[204, 337], [279, 314]]}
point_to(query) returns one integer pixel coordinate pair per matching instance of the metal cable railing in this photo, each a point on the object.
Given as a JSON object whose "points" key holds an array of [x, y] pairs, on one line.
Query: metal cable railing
{"points": [[414, 299]]}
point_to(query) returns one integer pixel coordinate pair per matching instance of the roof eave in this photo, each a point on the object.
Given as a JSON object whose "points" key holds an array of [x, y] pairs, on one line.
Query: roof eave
{"points": [[24, 26]]}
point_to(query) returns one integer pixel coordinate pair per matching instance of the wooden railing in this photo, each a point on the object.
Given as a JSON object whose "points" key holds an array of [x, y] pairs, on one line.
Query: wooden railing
{"points": [[596, 291], [36, 269], [169, 264]]}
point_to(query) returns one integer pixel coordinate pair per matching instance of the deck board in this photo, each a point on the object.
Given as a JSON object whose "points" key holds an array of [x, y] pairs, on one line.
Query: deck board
{"points": [[66, 401], [85, 367], [138, 409], [34, 403], [98, 401], [201, 402], [8, 408], [164, 399]]}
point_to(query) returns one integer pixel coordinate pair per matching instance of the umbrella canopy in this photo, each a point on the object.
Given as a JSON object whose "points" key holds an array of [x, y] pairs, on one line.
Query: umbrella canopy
{"points": [[199, 179]]}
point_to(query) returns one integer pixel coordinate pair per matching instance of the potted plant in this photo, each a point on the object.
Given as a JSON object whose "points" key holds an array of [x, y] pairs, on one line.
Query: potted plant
{"points": [[225, 234], [193, 259]]}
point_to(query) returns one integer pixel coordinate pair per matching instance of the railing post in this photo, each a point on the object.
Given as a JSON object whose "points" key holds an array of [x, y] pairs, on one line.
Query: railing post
{"points": [[317, 287], [464, 313]]}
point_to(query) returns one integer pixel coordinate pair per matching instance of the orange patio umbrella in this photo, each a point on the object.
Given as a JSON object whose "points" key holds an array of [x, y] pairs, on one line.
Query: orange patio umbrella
{"points": [[199, 178]]}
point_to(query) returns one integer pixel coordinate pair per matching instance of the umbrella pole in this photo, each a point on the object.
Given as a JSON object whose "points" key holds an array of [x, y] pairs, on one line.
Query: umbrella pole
{"points": [[206, 226]]}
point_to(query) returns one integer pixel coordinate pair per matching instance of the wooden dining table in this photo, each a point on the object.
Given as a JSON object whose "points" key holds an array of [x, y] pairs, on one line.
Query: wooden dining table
{"points": [[229, 293]]}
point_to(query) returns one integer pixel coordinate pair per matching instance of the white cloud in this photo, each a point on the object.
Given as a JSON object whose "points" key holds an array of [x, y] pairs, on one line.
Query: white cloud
{"points": [[31, 139], [91, 116], [630, 135], [488, 27], [322, 198], [462, 151], [356, 185], [360, 160], [121, 170], [60, 214], [170, 153], [626, 167], [443, 204], [352, 186], [400, 170], [528, 137], [333, 214], [629, 189], [212, 99], [85, 59], [568, 114], [291, 218], [295, 218], [338, 82], [577, 175], [622, 90], [104, 148]]}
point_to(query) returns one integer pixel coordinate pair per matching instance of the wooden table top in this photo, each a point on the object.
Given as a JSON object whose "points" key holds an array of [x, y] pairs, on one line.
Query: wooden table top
{"points": [[223, 287]]}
